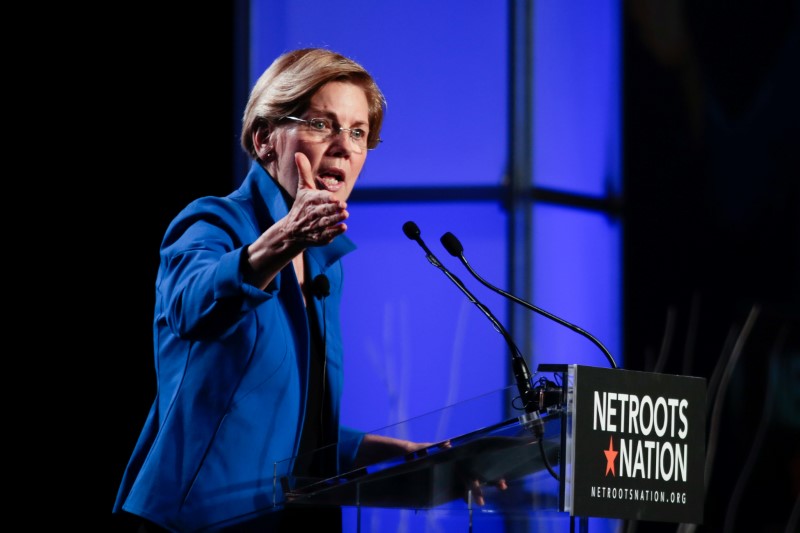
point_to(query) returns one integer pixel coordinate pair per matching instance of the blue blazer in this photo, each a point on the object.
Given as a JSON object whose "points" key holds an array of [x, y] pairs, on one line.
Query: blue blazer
{"points": [[232, 366]]}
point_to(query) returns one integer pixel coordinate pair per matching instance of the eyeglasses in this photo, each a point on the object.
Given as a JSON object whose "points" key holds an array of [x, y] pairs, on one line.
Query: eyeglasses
{"points": [[324, 128]]}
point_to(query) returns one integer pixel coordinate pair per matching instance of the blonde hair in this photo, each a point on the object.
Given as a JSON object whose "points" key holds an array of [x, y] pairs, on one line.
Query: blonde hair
{"points": [[286, 88]]}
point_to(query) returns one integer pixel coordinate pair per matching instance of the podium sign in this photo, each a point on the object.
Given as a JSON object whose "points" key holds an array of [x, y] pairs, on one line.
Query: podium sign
{"points": [[636, 445]]}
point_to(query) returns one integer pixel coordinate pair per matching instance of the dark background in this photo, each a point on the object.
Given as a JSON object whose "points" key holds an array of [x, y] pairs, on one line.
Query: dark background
{"points": [[712, 165], [711, 146], [178, 100]]}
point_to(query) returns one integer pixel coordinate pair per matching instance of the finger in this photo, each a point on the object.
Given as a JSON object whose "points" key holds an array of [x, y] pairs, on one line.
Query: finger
{"points": [[473, 491], [326, 235], [477, 493], [305, 177]]}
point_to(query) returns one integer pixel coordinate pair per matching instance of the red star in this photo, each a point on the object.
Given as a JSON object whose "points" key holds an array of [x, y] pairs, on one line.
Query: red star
{"points": [[611, 456]]}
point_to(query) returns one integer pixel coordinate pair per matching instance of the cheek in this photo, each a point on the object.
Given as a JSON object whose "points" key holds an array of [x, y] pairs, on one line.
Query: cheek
{"points": [[286, 173], [357, 169], [313, 151]]}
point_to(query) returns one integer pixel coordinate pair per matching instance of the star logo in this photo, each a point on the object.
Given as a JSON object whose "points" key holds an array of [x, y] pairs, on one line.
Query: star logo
{"points": [[611, 456]]}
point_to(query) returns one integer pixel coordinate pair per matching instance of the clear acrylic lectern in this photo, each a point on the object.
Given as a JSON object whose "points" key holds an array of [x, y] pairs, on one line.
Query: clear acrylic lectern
{"points": [[482, 442]]}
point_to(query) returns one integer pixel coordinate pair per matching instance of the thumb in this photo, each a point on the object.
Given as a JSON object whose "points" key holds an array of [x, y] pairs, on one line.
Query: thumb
{"points": [[304, 176]]}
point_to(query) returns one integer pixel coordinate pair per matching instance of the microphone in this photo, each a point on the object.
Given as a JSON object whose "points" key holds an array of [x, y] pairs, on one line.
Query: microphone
{"points": [[521, 373], [321, 286], [452, 245]]}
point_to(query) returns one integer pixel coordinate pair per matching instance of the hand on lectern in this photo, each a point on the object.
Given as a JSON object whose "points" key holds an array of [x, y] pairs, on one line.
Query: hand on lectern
{"points": [[377, 448], [476, 488]]}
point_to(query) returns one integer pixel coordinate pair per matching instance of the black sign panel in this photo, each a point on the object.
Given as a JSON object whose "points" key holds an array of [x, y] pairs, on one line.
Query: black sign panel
{"points": [[639, 445]]}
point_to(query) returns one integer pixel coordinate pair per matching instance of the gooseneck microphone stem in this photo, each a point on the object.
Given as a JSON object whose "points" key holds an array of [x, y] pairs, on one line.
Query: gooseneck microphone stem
{"points": [[520, 369], [453, 245]]}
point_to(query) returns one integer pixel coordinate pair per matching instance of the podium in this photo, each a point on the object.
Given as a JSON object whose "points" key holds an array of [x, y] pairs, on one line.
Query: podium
{"points": [[606, 443], [436, 481]]}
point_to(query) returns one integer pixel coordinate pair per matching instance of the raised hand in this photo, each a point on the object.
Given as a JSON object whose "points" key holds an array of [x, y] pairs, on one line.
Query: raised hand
{"points": [[316, 217]]}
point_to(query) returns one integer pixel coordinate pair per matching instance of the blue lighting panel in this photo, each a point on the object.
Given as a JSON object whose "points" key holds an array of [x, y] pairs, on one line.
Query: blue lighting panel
{"points": [[577, 96]]}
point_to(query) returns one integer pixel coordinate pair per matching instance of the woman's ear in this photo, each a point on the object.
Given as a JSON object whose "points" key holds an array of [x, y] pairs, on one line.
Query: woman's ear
{"points": [[262, 143]]}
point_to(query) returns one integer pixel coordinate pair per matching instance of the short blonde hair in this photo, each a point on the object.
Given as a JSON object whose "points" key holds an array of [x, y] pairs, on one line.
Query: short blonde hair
{"points": [[286, 88]]}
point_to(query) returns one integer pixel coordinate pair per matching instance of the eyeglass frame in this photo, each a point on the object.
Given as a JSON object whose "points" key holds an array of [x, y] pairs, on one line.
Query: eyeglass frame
{"points": [[336, 130]]}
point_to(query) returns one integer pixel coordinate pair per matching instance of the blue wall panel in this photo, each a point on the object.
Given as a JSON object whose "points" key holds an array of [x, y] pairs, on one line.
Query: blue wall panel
{"points": [[577, 278], [577, 96]]}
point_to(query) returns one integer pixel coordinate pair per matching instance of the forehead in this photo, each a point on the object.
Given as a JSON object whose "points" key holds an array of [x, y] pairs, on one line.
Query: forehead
{"points": [[341, 99]]}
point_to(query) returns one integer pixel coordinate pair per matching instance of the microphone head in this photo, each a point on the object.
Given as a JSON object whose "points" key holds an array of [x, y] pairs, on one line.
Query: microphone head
{"points": [[452, 244], [411, 230], [321, 286]]}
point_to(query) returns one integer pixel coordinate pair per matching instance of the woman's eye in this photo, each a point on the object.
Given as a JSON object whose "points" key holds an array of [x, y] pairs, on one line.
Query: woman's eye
{"points": [[319, 125], [357, 133]]}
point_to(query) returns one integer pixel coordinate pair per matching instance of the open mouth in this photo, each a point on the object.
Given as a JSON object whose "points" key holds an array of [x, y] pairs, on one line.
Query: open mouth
{"points": [[331, 178]]}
